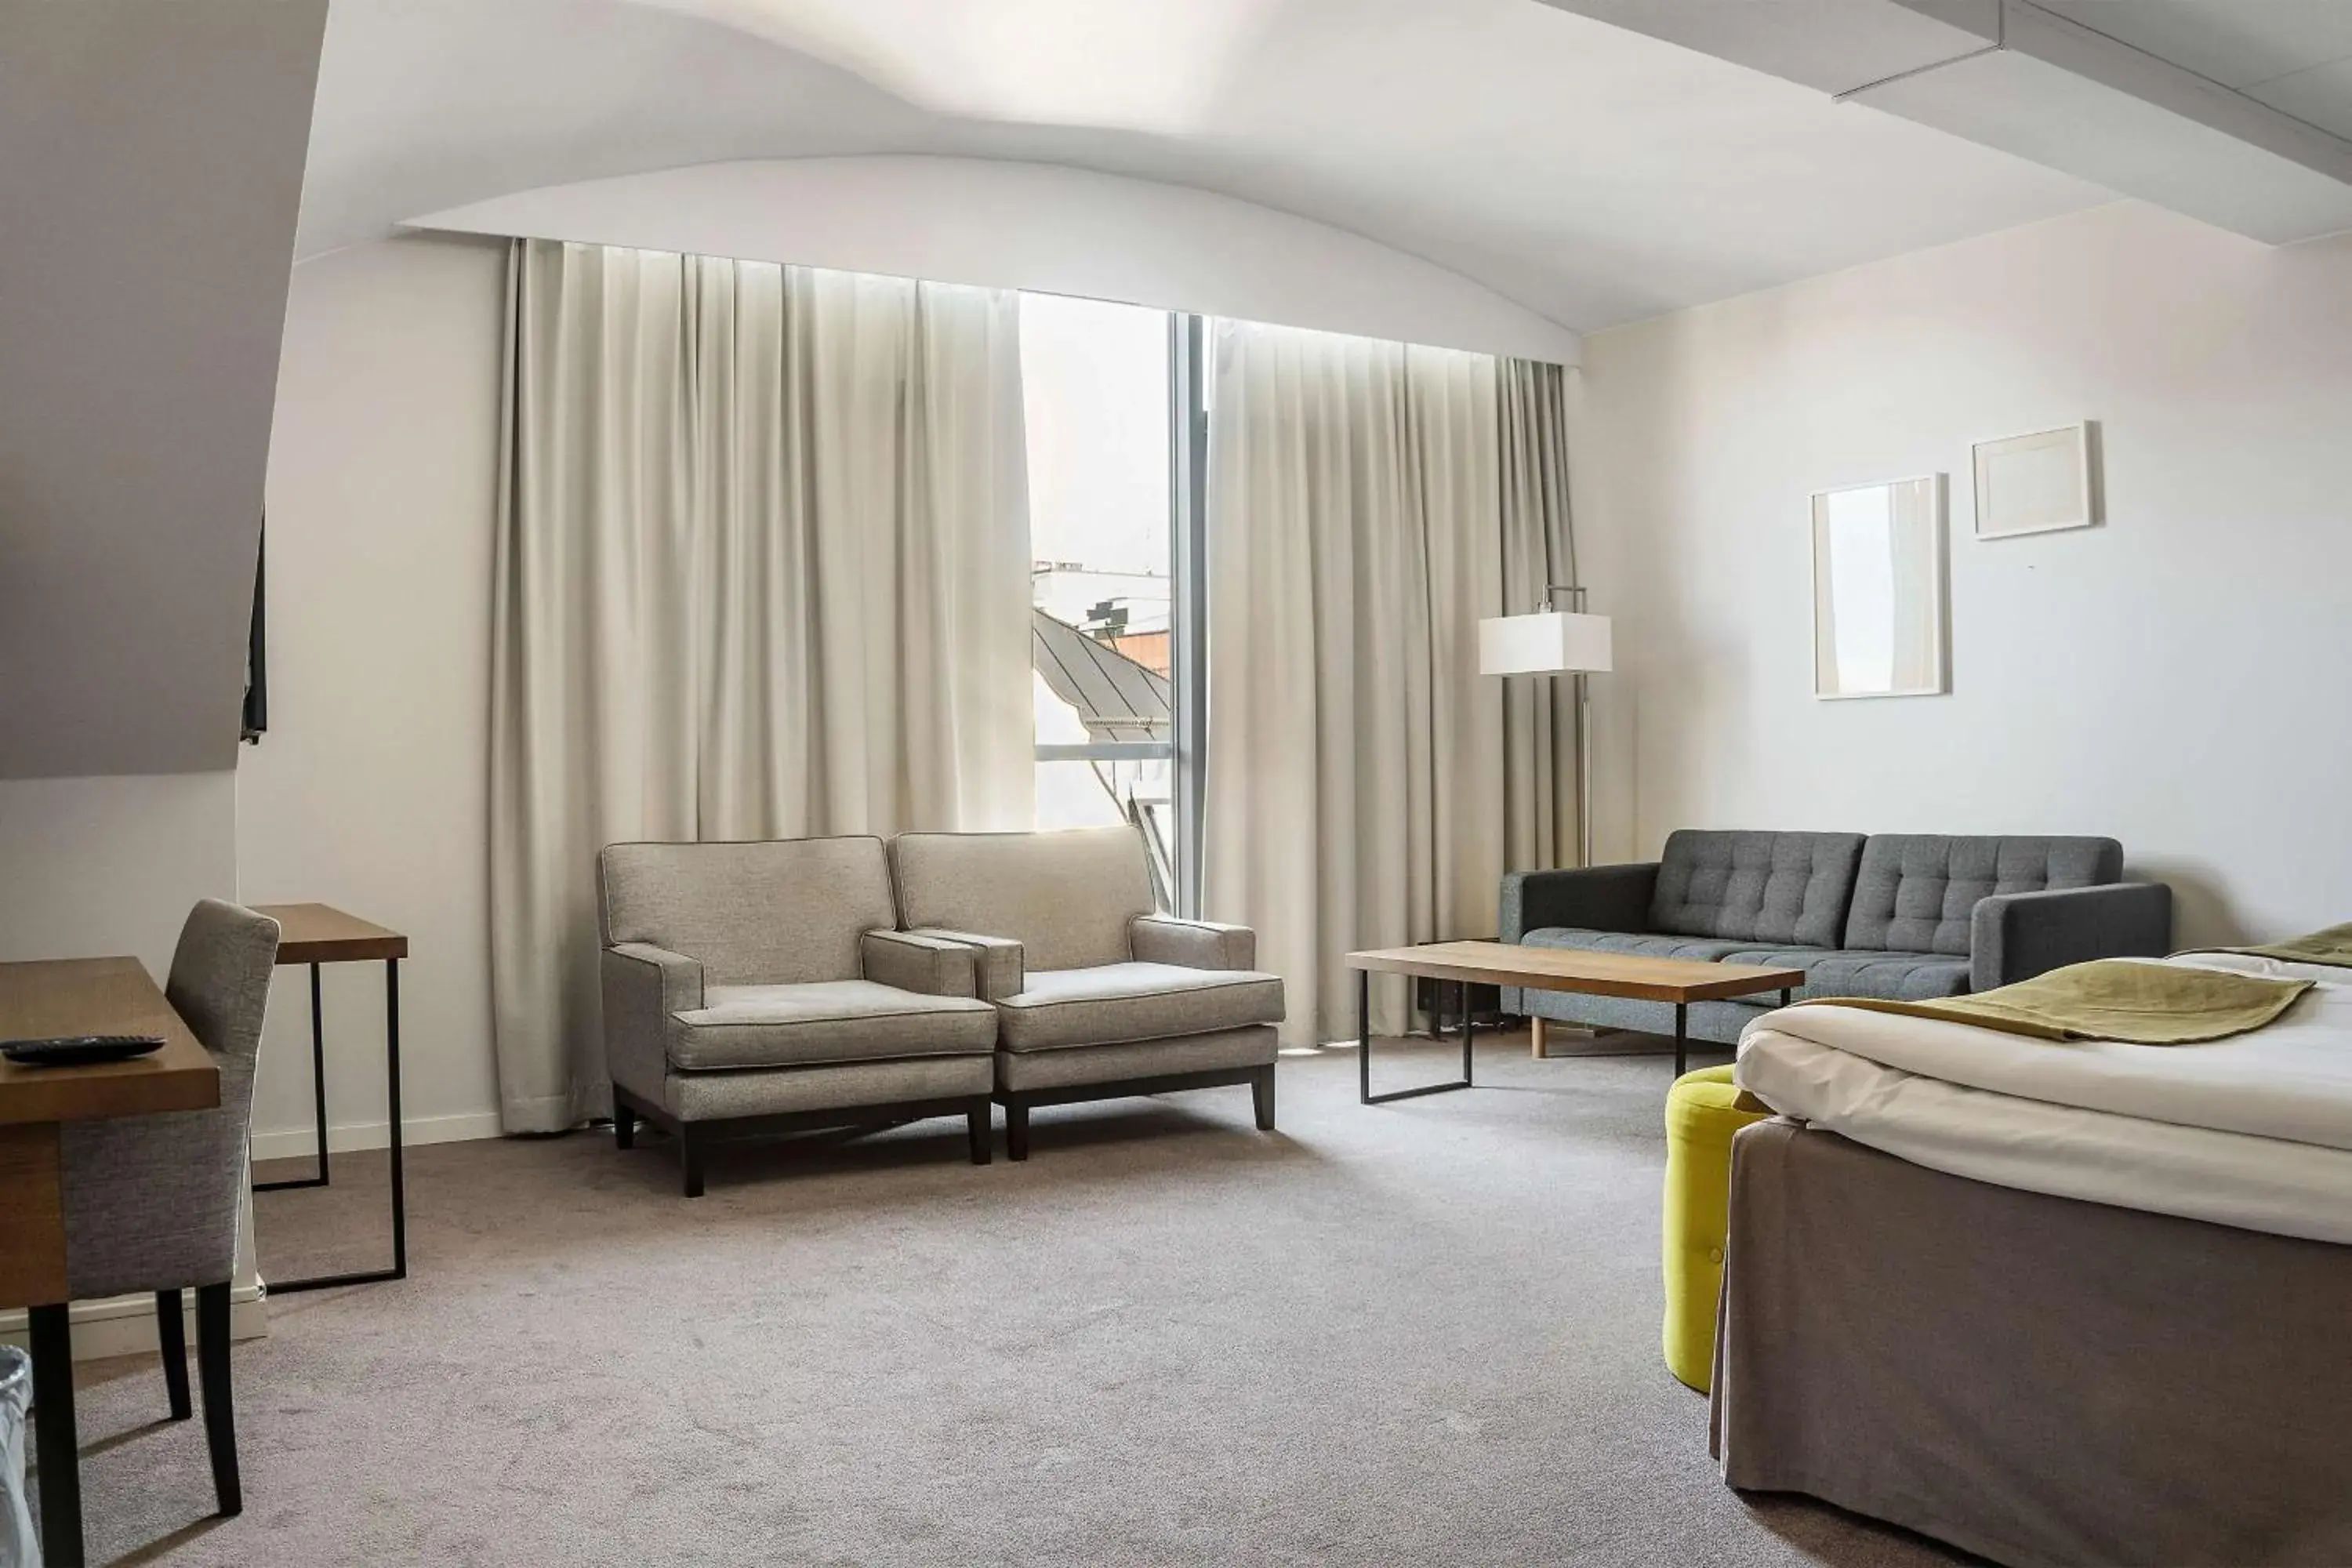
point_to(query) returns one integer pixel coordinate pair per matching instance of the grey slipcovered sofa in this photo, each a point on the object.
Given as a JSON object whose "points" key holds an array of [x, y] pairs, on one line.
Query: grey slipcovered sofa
{"points": [[1903, 917], [761, 987], [1096, 994]]}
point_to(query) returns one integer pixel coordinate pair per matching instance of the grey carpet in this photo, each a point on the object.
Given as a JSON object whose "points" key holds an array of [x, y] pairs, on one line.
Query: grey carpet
{"points": [[1421, 1333]]}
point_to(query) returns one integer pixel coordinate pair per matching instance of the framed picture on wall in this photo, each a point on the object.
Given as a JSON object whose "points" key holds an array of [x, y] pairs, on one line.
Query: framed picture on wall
{"points": [[2037, 483], [1879, 627]]}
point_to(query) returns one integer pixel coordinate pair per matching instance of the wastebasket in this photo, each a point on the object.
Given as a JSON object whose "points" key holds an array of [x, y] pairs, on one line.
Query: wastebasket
{"points": [[17, 1548]]}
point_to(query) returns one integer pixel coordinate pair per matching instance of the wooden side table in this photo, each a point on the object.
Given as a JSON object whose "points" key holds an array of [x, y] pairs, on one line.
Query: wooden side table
{"points": [[72, 996], [316, 934]]}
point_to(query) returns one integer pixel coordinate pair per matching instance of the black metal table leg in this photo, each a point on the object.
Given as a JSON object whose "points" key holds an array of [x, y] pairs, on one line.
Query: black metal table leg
{"points": [[1364, 1042], [54, 1443], [1786, 993], [1682, 1038], [1462, 996], [399, 1269], [392, 1093], [318, 1096]]}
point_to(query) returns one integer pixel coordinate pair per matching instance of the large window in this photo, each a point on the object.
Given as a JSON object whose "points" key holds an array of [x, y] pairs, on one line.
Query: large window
{"points": [[1105, 634]]}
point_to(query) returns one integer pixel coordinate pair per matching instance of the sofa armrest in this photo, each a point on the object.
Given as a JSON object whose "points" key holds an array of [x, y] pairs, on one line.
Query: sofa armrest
{"points": [[642, 985], [911, 960], [2016, 936], [1593, 897], [1191, 944], [1000, 968]]}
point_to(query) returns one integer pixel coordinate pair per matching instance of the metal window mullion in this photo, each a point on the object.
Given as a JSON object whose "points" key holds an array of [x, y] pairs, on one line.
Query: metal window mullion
{"points": [[1187, 463]]}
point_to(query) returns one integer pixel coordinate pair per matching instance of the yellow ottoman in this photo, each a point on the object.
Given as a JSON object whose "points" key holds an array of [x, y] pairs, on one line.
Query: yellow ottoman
{"points": [[1703, 1110]]}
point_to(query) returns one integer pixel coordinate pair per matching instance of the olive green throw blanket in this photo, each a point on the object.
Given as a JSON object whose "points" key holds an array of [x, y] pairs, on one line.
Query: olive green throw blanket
{"points": [[2332, 946], [2113, 999]]}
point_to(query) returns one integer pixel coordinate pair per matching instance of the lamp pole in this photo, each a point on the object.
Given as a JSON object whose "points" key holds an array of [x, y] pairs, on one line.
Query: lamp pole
{"points": [[1576, 603]]}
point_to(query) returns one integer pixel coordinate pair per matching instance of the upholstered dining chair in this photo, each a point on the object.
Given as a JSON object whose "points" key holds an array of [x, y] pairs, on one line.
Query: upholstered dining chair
{"points": [[152, 1203]]}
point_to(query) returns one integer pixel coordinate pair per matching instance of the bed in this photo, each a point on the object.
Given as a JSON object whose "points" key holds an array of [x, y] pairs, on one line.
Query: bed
{"points": [[2077, 1303]]}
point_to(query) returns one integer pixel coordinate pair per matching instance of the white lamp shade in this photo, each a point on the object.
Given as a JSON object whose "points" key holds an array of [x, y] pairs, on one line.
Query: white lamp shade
{"points": [[1554, 642]]}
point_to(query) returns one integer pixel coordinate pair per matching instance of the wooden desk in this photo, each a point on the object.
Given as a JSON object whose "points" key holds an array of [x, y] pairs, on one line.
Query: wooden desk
{"points": [[1676, 980], [72, 996], [316, 934]]}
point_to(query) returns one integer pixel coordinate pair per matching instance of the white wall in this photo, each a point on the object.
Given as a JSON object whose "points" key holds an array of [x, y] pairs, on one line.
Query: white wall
{"points": [[99, 866], [369, 791], [1040, 226], [2175, 678]]}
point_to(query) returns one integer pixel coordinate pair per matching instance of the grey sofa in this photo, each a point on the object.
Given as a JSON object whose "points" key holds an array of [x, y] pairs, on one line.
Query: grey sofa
{"points": [[1097, 995], [758, 988], [1902, 917]]}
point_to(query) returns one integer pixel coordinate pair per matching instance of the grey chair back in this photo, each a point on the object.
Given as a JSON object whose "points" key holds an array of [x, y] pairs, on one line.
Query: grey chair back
{"points": [[152, 1203], [1782, 887], [778, 912], [1068, 897], [1916, 891]]}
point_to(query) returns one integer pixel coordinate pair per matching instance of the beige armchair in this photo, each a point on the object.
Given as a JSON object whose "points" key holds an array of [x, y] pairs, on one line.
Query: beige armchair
{"points": [[1096, 994], [751, 989]]}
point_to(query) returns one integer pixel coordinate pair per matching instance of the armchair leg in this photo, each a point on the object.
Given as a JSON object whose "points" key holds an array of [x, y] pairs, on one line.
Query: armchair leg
{"points": [[1016, 1128], [1262, 1093], [689, 1158], [625, 1124], [220, 1414], [979, 1123], [172, 1339]]}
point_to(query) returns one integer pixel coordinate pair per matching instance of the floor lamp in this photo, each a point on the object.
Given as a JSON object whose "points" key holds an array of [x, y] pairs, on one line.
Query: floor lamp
{"points": [[1555, 642]]}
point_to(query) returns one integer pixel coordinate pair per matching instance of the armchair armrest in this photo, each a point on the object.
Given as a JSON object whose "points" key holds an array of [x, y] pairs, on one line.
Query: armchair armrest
{"points": [[1593, 898], [642, 986], [2016, 936], [997, 961], [1191, 944], [912, 961]]}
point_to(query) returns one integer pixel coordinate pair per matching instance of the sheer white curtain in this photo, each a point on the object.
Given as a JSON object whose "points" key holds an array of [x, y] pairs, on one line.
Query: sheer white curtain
{"points": [[762, 569], [1356, 792]]}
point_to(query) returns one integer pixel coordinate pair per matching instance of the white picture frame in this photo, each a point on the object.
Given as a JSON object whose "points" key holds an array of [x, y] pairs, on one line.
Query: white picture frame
{"points": [[1881, 589], [2043, 481]]}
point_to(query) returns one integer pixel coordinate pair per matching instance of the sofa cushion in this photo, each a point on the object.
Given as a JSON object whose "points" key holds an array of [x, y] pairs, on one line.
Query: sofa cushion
{"points": [[1109, 1002], [1789, 888], [1703, 949], [1885, 976], [779, 911], [825, 1021], [1067, 897], [1916, 890]]}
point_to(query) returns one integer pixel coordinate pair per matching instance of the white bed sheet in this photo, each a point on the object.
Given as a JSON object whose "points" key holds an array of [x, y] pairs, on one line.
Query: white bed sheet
{"points": [[2253, 1132], [2230, 1178]]}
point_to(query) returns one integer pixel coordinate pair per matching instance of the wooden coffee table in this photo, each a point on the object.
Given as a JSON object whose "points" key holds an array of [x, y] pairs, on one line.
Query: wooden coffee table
{"points": [[1677, 980]]}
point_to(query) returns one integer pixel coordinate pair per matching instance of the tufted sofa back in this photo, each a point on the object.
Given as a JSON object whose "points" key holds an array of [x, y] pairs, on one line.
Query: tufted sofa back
{"points": [[1917, 890], [1782, 887]]}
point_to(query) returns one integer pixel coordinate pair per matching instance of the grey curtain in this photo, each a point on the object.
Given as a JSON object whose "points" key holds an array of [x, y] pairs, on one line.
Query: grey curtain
{"points": [[1542, 774], [762, 571]]}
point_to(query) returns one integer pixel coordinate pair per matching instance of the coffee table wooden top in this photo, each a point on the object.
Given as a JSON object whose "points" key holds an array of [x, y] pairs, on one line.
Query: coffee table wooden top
{"points": [[98, 996], [1570, 969], [321, 934]]}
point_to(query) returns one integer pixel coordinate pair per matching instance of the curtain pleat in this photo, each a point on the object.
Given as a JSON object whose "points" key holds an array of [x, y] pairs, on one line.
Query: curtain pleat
{"points": [[762, 571]]}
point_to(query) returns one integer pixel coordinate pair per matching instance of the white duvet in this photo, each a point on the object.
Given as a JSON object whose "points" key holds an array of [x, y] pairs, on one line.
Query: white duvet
{"points": [[2254, 1130]]}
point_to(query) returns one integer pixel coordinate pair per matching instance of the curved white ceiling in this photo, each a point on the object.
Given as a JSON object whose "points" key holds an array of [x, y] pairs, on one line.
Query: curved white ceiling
{"points": [[1041, 227], [1591, 174]]}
